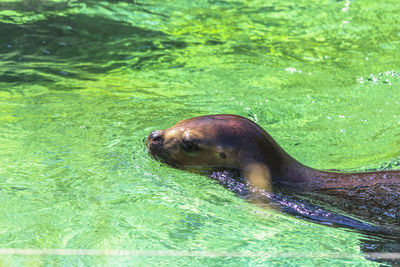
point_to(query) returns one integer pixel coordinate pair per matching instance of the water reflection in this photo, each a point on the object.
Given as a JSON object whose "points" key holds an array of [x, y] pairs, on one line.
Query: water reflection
{"points": [[68, 178]]}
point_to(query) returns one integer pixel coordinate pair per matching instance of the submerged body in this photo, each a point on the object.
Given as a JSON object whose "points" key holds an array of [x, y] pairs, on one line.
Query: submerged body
{"points": [[221, 142]]}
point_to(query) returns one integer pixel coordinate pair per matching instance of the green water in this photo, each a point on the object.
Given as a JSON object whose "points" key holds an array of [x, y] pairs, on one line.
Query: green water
{"points": [[82, 83]]}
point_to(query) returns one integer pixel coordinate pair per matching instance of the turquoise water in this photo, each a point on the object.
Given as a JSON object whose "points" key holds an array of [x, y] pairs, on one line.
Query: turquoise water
{"points": [[82, 84]]}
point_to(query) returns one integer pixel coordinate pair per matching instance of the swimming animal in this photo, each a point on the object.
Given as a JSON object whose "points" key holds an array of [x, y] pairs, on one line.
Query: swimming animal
{"points": [[213, 143]]}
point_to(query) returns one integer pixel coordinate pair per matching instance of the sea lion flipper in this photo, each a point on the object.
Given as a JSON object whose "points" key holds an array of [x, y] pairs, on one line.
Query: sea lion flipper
{"points": [[258, 175]]}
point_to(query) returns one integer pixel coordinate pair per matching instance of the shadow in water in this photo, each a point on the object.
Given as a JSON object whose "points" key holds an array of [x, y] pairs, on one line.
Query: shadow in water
{"points": [[33, 5], [75, 46]]}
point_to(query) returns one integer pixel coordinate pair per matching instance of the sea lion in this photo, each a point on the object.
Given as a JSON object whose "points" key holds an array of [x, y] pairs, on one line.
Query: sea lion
{"points": [[224, 142]]}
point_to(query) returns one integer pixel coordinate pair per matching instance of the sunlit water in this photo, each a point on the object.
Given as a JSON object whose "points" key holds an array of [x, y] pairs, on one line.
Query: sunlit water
{"points": [[82, 83]]}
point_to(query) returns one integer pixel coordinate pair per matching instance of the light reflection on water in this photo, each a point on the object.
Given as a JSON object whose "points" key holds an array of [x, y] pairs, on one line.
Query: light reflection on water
{"points": [[83, 82]]}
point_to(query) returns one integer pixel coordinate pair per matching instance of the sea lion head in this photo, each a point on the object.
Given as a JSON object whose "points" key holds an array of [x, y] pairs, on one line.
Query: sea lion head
{"points": [[209, 143]]}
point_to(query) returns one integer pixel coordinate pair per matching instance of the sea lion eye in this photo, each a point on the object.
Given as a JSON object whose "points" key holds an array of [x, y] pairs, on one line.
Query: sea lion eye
{"points": [[222, 155], [189, 146]]}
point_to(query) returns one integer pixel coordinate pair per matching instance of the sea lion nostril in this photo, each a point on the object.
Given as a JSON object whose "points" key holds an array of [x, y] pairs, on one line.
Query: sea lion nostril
{"points": [[155, 135]]}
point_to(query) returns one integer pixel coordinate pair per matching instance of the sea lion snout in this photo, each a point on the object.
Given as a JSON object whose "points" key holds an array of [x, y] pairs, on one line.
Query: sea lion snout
{"points": [[155, 139], [155, 136], [160, 148]]}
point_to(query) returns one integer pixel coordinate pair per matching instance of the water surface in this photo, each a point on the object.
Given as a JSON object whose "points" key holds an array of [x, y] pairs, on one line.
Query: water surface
{"points": [[82, 83]]}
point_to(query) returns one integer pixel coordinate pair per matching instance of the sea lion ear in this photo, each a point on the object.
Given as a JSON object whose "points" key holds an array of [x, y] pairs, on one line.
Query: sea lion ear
{"points": [[259, 175]]}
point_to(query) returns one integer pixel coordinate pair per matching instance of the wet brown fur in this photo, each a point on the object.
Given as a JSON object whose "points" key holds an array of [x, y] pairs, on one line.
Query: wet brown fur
{"points": [[242, 142]]}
